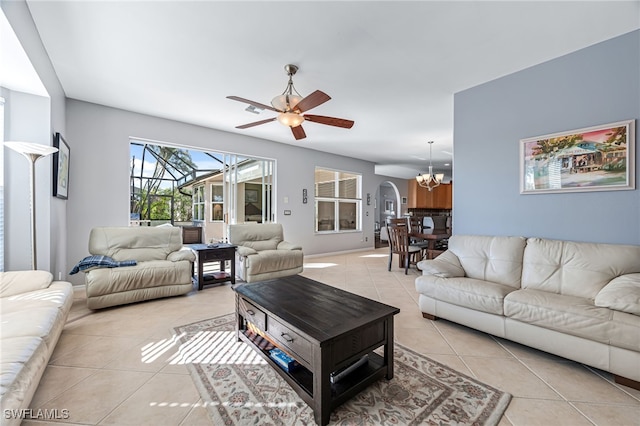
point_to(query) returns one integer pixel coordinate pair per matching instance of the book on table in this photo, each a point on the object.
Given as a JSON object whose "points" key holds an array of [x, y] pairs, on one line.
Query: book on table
{"points": [[283, 359]]}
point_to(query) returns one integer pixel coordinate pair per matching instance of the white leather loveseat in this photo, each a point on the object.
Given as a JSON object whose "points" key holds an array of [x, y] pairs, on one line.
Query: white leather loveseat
{"points": [[262, 253], [577, 300], [34, 311], [163, 266]]}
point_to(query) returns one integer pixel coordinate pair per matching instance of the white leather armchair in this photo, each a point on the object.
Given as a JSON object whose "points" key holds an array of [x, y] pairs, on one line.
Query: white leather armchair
{"points": [[262, 253]]}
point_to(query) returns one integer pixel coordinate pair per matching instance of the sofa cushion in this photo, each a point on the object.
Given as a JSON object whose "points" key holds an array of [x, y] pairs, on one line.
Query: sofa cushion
{"points": [[621, 294], [495, 259], [274, 260], [17, 282], [149, 274], [260, 237], [135, 243], [36, 321], [573, 315], [22, 361], [575, 269], [470, 293]]}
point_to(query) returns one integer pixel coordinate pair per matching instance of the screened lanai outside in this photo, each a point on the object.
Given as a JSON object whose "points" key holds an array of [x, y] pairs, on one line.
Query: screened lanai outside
{"points": [[188, 187]]}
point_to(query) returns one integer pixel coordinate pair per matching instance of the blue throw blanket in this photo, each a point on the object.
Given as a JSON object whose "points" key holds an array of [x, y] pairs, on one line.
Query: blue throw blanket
{"points": [[97, 261]]}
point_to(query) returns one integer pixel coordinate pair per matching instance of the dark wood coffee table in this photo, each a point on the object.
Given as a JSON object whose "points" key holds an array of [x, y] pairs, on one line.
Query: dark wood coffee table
{"points": [[324, 329]]}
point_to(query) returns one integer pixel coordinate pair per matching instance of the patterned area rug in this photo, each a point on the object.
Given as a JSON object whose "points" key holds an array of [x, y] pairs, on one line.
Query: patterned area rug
{"points": [[240, 388]]}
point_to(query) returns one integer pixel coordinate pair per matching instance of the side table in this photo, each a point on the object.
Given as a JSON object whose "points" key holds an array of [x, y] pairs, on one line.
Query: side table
{"points": [[220, 252]]}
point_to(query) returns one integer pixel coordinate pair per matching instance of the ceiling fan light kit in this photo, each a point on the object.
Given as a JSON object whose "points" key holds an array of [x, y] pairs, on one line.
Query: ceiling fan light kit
{"points": [[290, 105], [429, 180], [290, 119], [285, 102]]}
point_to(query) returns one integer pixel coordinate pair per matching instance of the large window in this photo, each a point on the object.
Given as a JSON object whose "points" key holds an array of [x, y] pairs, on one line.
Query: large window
{"points": [[187, 187], [338, 200]]}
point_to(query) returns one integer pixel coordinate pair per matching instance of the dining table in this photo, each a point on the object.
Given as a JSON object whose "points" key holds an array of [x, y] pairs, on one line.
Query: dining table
{"points": [[432, 236]]}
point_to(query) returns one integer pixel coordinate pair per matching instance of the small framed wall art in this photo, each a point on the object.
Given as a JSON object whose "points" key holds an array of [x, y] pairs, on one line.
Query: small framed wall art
{"points": [[599, 158], [61, 167]]}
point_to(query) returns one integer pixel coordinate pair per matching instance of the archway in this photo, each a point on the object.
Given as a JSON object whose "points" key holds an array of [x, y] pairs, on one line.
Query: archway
{"points": [[388, 205]]}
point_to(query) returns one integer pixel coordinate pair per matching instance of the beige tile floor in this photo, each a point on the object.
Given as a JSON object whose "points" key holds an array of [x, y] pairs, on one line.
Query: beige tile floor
{"points": [[112, 367]]}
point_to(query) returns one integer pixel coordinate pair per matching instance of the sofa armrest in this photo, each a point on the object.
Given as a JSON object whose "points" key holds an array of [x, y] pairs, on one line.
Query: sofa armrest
{"points": [[621, 294], [447, 265], [285, 245], [183, 254], [17, 282], [245, 251]]}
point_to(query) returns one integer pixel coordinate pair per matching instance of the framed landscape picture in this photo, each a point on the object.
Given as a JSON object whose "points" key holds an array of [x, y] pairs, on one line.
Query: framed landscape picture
{"points": [[599, 158], [61, 167]]}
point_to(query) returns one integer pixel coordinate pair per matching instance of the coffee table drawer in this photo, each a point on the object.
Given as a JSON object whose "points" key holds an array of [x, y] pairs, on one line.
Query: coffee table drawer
{"points": [[215, 254], [290, 340], [252, 314]]}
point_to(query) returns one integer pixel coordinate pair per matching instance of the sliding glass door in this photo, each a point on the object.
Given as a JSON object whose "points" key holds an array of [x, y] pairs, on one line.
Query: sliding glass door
{"points": [[187, 187]]}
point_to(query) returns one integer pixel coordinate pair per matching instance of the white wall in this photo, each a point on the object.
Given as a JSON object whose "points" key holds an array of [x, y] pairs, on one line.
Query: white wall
{"points": [[593, 86], [99, 175], [52, 232]]}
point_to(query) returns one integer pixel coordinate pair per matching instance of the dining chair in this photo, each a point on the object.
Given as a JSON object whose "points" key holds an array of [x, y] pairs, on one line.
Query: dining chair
{"points": [[393, 221], [427, 222], [399, 244], [415, 227]]}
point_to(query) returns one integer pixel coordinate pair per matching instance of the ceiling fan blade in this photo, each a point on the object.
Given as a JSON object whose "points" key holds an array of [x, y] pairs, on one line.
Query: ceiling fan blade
{"points": [[311, 101], [331, 121], [256, 123], [298, 132], [255, 104]]}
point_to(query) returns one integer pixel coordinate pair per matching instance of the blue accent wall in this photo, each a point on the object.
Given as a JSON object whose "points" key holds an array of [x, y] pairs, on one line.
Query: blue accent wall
{"points": [[593, 86]]}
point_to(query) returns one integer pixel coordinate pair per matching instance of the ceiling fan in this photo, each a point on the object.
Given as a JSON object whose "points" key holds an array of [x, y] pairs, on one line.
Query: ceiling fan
{"points": [[291, 105]]}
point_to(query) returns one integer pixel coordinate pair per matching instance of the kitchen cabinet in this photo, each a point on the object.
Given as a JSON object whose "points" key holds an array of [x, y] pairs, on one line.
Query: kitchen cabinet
{"points": [[441, 197]]}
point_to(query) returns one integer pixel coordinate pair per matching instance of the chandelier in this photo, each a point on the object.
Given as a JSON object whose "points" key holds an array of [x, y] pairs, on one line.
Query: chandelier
{"points": [[430, 180]]}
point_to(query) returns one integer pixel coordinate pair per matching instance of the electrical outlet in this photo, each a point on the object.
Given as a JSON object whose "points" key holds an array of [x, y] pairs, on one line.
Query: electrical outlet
{"points": [[366, 239]]}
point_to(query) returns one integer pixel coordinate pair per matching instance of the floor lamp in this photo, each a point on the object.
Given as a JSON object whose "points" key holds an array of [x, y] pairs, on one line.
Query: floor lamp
{"points": [[32, 151]]}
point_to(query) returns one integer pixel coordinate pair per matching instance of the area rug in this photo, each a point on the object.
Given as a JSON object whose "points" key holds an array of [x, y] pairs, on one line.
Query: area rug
{"points": [[239, 388]]}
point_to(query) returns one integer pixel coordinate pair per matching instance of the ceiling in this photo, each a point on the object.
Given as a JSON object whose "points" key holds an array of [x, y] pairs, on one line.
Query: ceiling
{"points": [[392, 67]]}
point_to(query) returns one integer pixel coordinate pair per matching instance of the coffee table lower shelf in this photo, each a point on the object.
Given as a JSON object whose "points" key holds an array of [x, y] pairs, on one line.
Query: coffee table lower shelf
{"points": [[301, 379]]}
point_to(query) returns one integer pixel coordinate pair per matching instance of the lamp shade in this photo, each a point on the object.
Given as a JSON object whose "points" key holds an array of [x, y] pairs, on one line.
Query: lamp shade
{"points": [[285, 102], [290, 119], [29, 148]]}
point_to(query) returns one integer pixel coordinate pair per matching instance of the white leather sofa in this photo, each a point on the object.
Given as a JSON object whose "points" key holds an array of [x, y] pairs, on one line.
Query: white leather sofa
{"points": [[577, 300], [34, 311], [164, 267], [262, 253]]}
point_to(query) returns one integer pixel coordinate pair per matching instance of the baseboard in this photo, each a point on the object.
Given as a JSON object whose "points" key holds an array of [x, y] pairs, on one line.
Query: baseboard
{"points": [[334, 253]]}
